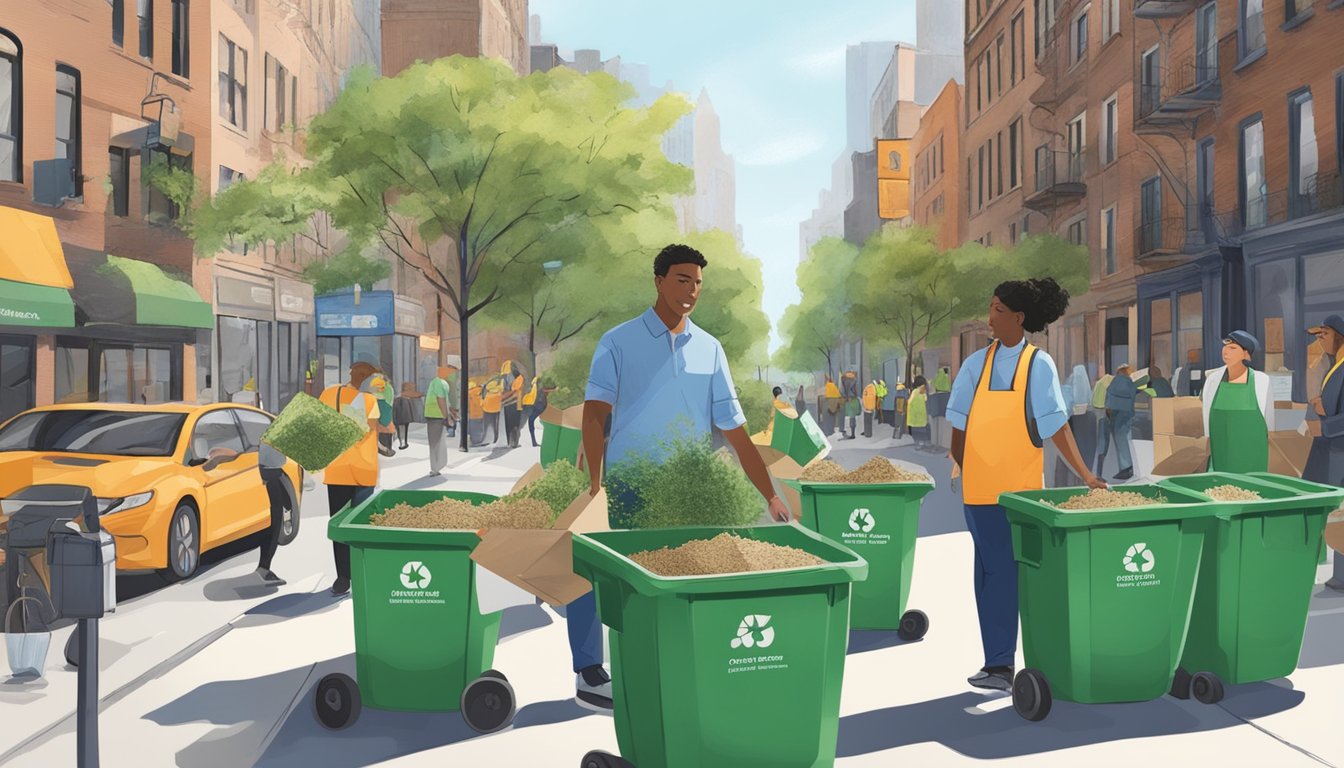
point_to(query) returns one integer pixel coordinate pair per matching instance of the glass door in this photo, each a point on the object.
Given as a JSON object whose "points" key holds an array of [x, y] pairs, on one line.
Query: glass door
{"points": [[17, 363]]}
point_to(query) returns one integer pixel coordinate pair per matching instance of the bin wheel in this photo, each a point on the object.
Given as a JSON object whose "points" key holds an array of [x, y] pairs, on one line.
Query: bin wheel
{"points": [[495, 673], [488, 703], [1031, 695], [914, 625], [1180, 684], [1207, 688], [599, 759], [338, 701]]}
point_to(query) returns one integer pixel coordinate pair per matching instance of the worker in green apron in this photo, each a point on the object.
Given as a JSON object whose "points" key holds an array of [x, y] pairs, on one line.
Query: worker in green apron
{"points": [[1238, 409]]}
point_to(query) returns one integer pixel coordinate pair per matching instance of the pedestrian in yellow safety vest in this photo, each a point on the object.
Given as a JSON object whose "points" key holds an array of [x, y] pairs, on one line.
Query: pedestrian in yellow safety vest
{"points": [[869, 408], [1005, 402]]}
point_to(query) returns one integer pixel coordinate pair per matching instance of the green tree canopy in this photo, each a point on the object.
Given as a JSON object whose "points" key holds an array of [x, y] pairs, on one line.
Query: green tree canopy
{"points": [[812, 328]]}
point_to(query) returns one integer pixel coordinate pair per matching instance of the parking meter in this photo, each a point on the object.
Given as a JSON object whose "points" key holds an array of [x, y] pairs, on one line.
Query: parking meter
{"points": [[83, 571]]}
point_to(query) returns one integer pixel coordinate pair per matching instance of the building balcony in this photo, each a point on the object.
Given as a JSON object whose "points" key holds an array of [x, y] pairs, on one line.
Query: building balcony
{"points": [[1181, 96], [1163, 9], [1061, 76], [1059, 179], [1159, 241]]}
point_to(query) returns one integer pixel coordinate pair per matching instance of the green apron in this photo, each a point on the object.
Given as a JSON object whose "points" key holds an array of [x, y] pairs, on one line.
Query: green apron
{"points": [[1238, 436]]}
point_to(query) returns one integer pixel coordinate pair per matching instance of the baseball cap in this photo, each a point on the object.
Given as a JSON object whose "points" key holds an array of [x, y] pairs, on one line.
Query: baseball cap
{"points": [[1333, 322], [1244, 340]]}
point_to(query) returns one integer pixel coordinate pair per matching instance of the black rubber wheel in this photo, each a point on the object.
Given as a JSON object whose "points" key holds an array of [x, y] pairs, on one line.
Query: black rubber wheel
{"points": [[1031, 695], [1207, 688], [184, 544], [72, 648], [338, 702], [1180, 684], [599, 759], [488, 704], [289, 516], [495, 673], [914, 625]]}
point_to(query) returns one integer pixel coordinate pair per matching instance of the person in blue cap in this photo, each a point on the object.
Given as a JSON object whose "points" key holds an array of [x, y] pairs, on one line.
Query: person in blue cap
{"points": [[1325, 419], [1238, 409]]}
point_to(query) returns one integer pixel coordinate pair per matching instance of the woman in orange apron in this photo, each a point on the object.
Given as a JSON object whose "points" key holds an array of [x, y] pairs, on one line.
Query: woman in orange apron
{"points": [[1005, 402]]}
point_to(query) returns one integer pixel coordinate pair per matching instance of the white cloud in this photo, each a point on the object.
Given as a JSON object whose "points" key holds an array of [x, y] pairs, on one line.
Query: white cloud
{"points": [[823, 62], [783, 151]]}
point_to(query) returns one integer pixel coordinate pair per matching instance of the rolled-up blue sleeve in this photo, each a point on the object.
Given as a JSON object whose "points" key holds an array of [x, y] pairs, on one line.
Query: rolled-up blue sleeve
{"points": [[725, 409], [963, 390], [1047, 397], [603, 374]]}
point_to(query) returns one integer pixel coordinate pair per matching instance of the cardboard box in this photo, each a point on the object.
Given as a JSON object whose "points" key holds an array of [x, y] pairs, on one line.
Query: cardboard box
{"points": [[1288, 452], [1181, 416], [541, 562], [1175, 455]]}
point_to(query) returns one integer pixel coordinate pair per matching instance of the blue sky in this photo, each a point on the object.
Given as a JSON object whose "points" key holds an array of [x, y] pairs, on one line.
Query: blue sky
{"points": [[776, 74]]}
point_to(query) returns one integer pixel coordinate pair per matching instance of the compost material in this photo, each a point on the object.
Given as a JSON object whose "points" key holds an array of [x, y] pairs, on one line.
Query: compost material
{"points": [[723, 554], [876, 471], [455, 514], [1232, 493], [1099, 498]]}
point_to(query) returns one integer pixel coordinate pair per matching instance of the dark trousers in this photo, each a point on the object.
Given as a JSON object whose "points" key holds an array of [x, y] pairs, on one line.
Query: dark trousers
{"points": [[403, 435], [532, 414], [867, 423], [513, 424], [338, 498], [995, 582], [275, 491], [491, 425]]}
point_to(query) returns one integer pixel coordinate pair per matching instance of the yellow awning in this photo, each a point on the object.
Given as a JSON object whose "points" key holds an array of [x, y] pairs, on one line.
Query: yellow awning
{"points": [[30, 251]]}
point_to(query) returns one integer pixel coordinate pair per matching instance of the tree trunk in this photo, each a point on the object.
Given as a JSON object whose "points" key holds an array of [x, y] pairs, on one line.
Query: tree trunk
{"points": [[464, 371]]}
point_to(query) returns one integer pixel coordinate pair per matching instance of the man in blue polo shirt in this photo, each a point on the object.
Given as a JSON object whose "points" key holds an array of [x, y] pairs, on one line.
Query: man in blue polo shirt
{"points": [[656, 377]]}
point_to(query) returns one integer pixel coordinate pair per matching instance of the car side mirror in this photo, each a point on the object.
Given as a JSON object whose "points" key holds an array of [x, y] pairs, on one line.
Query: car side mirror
{"points": [[197, 462]]}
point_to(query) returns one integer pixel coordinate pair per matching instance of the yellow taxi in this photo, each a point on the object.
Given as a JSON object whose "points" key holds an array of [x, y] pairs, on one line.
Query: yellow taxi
{"points": [[172, 480]]}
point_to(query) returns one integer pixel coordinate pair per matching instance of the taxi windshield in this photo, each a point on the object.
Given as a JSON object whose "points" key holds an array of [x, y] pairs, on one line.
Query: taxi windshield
{"points": [[110, 433]]}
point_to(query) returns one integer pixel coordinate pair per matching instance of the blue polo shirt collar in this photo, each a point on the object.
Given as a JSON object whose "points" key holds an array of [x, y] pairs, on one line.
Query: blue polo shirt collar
{"points": [[657, 327]]}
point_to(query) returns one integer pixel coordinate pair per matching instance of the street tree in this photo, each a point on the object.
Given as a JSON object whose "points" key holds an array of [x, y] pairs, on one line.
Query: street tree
{"points": [[812, 328], [466, 173]]}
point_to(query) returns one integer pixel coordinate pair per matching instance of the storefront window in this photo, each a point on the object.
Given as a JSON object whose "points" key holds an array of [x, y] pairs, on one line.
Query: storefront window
{"points": [[1191, 338], [16, 376], [330, 349], [1159, 353], [1323, 296], [367, 349], [135, 375], [1275, 286], [72, 374], [204, 391], [237, 358]]}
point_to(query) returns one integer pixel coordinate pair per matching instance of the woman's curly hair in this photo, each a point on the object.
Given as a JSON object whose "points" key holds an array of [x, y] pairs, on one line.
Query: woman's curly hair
{"points": [[1042, 301]]}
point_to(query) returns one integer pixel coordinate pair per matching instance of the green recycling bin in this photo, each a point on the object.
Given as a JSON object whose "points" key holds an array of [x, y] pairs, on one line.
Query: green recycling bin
{"points": [[1104, 595], [561, 435], [1303, 486], [732, 671], [1254, 586], [798, 438], [421, 641], [880, 522]]}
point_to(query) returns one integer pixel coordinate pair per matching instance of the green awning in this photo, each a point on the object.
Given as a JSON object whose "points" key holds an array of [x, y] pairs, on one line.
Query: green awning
{"points": [[160, 299], [35, 305]]}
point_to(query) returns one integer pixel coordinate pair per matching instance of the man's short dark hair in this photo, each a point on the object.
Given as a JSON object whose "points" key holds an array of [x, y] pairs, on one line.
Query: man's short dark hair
{"points": [[676, 254], [778, 391]]}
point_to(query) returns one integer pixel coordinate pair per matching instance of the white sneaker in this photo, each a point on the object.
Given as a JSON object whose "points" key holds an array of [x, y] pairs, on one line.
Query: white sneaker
{"points": [[593, 689]]}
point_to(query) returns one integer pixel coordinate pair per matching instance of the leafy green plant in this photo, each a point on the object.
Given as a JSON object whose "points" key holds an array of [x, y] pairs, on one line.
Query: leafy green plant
{"points": [[561, 484], [692, 485], [176, 184], [311, 433], [344, 270]]}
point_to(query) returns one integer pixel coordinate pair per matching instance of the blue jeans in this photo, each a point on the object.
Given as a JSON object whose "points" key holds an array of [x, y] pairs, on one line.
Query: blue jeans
{"points": [[1121, 429], [995, 582], [585, 632]]}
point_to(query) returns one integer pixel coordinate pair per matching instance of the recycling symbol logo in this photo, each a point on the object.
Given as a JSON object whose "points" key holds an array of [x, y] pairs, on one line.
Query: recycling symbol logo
{"points": [[1139, 558], [415, 575], [862, 520], [754, 632]]}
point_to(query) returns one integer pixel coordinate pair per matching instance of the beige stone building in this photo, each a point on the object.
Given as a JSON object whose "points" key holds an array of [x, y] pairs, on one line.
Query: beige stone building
{"points": [[424, 30]]}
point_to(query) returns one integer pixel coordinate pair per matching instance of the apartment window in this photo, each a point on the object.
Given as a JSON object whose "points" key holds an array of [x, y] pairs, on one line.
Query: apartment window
{"points": [[1150, 81], [998, 64], [1110, 19], [1204, 172], [1254, 188], [989, 169], [1303, 158], [1110, 116], [1078, 232], [232, 83], [144, 12], [119, 173], [227, 177], [980, 182], [1045, 24], [1016, 66], [162, 209], [11, 108], [118, 22], [68, 123], [969, 173], [1108, 239], [181, 37], [1339, 121], [938, 205], [1150, 213], [1026, 226], [1206, 43], [998, 162], [979, 88], [1251, 29], [279, 94], [1012, 234], [1077, 132], [1080, 37], [1294, 8], [1015, 154], [938, 151]]}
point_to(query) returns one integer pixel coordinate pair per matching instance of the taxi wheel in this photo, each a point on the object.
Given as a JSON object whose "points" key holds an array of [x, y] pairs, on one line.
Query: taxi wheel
{"points": [[289, 527], [184, 544]]}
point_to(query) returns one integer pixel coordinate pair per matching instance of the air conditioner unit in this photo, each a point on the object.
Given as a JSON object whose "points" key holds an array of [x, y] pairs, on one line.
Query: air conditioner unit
{"points": [[53, 181]]}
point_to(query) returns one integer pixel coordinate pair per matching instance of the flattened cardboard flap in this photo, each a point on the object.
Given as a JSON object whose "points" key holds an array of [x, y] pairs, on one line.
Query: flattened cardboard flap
{"points": [[569, 417], [529, 477], [1174, 455], [538, 562], [1182, 416], [587, 514]]}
